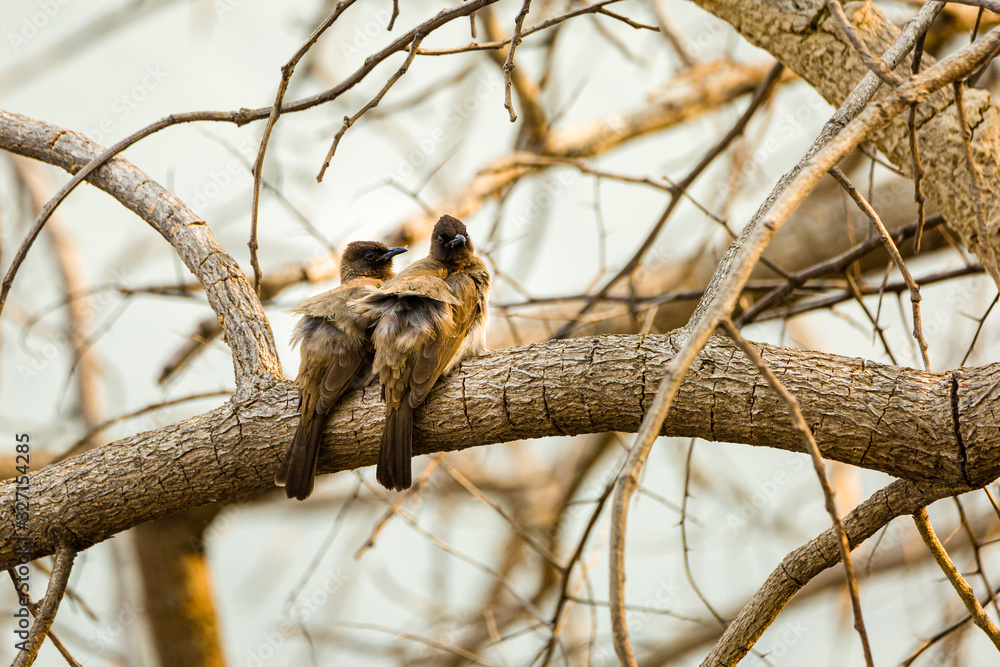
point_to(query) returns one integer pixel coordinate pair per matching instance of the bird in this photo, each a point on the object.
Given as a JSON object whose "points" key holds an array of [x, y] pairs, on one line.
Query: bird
{"points": [[337, 356], [426, 320]]}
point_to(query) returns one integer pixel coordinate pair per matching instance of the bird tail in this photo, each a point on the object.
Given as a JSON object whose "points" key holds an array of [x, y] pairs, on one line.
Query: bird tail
{"points": [[298, 471], [393, 471]]}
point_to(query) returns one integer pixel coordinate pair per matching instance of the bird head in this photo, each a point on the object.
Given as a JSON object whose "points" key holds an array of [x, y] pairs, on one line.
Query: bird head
{"points": [[450, 242], [367, 259]]}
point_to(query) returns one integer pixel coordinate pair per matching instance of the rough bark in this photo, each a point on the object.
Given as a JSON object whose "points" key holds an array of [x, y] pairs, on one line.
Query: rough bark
{"points": [[803, 36], [936, 428]]}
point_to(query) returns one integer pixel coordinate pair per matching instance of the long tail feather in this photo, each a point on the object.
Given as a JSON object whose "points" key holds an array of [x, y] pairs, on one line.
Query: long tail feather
{"points": [[298, 471], [393, 471]]}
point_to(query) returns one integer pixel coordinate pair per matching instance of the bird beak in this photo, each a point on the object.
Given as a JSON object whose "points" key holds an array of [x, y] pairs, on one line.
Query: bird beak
{"points": [[457, 241], [392, 253]]}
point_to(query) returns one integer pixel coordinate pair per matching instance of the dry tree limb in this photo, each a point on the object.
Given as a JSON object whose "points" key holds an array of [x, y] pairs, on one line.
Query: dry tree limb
{"points": [[735, 269], [870, 59], [582, 385], [810, 42], [800, 425], [962, 587], [48, 607], [802, 565]]}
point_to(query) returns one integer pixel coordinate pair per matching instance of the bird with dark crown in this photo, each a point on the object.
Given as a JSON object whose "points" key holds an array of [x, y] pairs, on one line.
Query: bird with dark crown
{"points": [[337, 355], [426, 321]]}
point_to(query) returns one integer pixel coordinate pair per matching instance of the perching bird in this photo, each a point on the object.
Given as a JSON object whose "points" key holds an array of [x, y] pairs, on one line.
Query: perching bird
{"points": [[337, 356], [427, 319]]}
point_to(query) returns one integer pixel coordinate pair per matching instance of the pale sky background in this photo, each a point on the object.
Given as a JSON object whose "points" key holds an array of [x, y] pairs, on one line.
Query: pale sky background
{"points": [[224, 55]]}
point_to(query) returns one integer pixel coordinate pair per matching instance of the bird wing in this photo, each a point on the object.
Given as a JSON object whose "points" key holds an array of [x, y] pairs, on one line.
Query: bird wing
{"points": [[332, 305], [424, 278], [433, 359]]}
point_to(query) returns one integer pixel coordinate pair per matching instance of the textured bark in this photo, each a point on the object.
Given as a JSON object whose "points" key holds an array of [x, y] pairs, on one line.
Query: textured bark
{"points": [[925, 427], [803, 36]]}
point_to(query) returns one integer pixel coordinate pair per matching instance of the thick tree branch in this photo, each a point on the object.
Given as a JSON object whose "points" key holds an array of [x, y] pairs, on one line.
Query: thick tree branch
{"points": [[807, 39], [897, 420]]}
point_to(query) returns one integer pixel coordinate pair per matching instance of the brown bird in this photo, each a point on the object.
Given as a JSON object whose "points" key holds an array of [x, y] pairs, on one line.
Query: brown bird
{"points": [[337, 356], [426, 320]]}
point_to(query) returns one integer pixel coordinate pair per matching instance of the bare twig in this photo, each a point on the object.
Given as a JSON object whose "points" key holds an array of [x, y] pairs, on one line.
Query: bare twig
{"points": [[962, 587], [508, 65], [890, 246], [350, 120], [258, 166]]}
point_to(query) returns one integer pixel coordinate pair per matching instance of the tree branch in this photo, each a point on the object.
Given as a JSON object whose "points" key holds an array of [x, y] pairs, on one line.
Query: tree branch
{"points": [[897, 420]]}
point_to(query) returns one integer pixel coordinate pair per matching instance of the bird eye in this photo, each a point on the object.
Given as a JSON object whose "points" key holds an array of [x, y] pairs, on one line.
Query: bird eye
{"points": [[370, 254]]}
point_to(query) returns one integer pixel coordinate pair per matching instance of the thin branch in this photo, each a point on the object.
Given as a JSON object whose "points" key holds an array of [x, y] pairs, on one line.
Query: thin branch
{"points": [[871, 61], [962, 587], [350, 120], [897, 259], [979, 328], [508, 65], [258, 166]]}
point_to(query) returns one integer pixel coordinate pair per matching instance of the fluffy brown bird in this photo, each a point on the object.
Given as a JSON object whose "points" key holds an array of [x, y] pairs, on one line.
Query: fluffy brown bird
{"points": [[337, 356], [426, 320]]}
